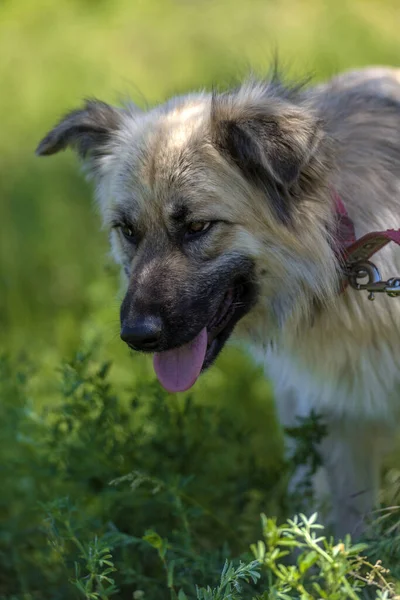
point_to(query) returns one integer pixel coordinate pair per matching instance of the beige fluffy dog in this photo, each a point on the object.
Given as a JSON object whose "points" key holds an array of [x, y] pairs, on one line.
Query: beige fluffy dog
{"points": [[223, 212]]}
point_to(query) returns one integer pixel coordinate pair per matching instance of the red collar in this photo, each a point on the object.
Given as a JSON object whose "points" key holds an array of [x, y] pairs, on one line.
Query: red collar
{"points": [[351, 250]]}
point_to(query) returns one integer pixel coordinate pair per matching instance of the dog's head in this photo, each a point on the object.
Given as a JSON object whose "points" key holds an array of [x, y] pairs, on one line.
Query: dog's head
{"points": [[215, 208]]}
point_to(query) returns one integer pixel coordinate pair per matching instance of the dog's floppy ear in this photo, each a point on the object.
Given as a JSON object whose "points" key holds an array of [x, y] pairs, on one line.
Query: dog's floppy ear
{"points": [[88, 130], [271, 141]]}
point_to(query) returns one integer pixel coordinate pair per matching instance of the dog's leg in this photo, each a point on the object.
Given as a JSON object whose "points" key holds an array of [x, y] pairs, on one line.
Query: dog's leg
{"points": [[345, 488], [352, 454], [290, 407]]}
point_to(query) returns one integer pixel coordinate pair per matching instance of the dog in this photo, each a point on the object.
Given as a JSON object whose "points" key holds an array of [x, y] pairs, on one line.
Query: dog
{"points": [[222, 212]]}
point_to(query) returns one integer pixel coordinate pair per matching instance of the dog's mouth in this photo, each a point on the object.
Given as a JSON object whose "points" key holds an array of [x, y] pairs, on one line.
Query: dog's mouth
{"points": [[178, 369]]}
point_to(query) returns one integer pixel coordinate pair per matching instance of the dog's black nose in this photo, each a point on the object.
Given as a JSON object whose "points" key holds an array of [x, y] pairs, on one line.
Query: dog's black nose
{"points": [[142, 333]]}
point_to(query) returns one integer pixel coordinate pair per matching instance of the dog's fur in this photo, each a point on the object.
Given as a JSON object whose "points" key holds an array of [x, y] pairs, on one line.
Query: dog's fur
{"points": [[260, 162]]}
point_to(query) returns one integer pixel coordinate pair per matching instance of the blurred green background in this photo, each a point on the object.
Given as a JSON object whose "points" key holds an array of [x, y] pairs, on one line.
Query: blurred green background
{"points": [[59, 290]]}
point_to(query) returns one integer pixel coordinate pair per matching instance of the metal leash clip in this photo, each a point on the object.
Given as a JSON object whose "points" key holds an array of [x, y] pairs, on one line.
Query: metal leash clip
{"points": [[374, 283]]}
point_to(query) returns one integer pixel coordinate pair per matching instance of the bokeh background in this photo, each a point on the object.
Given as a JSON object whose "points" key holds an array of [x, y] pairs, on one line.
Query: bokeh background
{"points": [[59, 288]]}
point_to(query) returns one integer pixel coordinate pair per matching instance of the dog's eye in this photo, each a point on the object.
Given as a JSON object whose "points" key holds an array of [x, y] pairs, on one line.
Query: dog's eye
{"points": [[127, 231], [197, 228]]}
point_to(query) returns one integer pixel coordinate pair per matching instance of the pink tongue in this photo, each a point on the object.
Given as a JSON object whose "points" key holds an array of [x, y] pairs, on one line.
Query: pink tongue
{"points": [[178, 369]]}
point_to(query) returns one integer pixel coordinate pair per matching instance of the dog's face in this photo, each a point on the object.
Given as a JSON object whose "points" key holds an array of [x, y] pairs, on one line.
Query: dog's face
{"points": [[204, 201]]}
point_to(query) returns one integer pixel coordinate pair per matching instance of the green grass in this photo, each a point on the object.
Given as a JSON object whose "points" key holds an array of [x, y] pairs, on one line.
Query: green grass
{"points": [[203, 466]]}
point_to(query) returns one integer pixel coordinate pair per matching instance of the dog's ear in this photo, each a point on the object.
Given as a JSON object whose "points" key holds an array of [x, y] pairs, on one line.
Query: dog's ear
{"points": [[88, 131], [271, 141]]}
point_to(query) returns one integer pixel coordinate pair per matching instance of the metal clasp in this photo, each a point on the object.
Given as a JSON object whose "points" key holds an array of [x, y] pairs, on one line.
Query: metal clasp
{"points": [[374, 283]]}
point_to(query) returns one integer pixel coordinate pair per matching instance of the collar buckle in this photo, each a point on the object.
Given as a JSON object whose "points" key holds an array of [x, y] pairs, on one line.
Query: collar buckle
{"points": [[374, 284]]}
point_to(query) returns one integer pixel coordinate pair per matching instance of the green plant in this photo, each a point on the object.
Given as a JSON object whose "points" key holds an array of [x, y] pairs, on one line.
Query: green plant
{"points": [[383, 538], [318, 567], [93, 565], [324, 568], [190, 479], [230, 587], [96, 479]]}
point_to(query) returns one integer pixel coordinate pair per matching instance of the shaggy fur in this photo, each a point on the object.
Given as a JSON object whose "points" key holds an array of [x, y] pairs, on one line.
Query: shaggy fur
{"points": [[259, 164]]}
